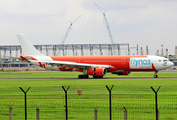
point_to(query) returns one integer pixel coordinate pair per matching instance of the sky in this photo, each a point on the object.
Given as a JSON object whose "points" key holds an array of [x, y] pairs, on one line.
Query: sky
{"points": [[142, 22]]}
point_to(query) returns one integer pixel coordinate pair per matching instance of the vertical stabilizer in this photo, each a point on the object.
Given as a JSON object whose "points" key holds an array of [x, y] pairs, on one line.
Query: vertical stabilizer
{"points": [[27, 48]]}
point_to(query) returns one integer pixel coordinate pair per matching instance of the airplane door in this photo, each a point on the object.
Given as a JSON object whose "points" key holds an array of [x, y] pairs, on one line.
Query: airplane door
{"points": [[155, 61]]}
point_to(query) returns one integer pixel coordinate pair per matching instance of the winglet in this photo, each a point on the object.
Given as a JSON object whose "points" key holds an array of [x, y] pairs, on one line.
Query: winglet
{"points": [[27, 48]]}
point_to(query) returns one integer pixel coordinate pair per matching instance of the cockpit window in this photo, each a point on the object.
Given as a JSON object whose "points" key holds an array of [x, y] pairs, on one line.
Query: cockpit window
{"points": [[159, 60], [165, 62]]}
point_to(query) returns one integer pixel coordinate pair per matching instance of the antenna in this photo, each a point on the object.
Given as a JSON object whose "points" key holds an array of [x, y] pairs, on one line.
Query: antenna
{"points": [[66, 34], [109, 32]]}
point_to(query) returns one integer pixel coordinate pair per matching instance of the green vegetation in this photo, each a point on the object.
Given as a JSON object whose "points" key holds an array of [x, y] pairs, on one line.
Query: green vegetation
{"points": [[56, 74], [136, 95]]}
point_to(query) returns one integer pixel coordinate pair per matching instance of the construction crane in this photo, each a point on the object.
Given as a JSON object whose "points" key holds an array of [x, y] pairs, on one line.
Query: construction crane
{"points": [[66, 35], [109, 32]]}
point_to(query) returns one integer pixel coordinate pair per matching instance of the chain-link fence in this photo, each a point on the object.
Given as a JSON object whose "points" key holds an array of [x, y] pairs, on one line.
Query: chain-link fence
{"points": [[131, 102]]}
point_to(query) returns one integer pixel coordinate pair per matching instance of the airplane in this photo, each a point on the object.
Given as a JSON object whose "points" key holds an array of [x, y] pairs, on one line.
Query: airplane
{"points": [[96, 66]]}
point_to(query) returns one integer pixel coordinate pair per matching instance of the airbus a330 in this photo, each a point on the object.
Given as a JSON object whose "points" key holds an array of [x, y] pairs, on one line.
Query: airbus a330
{"points": [[96, 66]]}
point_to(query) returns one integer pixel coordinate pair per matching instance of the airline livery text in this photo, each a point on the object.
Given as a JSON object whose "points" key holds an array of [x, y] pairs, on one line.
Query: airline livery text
{"points": [[140, 63]]}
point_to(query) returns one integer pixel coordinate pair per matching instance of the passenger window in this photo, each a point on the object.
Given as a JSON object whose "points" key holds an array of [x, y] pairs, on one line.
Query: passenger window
{"points": [[159, 60]]}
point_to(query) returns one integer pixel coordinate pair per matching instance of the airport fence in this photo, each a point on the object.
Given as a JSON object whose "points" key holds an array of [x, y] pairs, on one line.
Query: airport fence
{"points": [[86, 102]]}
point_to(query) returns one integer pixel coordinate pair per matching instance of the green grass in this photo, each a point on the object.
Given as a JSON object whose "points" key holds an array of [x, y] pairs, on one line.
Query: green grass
{"points": [[136, 95], [55, 74]]}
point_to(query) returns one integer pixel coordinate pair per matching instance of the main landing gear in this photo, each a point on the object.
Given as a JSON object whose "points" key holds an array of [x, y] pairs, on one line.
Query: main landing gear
{"points": [[83, 76], [97, 76], [156, 76], [94, 76], [86, 76]]}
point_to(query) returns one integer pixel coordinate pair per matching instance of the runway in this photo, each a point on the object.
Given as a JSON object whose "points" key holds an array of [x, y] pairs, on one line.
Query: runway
{"points": [[133, 78]]}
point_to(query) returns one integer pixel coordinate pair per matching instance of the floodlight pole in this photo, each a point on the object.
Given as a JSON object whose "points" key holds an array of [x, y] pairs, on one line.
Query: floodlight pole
{"points": [[156, 105], [110, 107], [66, 101], [25, 101]]}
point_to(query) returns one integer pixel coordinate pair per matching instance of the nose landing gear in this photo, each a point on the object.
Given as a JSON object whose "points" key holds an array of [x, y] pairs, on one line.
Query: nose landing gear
{"points": [[156, 76]]}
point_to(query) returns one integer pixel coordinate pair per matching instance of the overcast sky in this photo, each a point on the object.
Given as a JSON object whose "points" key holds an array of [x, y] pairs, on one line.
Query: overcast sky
{"points": [[142, 22]]}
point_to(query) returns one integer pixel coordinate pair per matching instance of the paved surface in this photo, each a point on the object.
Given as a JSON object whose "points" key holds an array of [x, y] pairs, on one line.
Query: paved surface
{"points": [[160, 78]]}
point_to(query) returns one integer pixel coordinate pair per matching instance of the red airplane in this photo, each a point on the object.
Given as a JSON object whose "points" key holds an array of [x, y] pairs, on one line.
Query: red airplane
{"points": [[97, 66]]}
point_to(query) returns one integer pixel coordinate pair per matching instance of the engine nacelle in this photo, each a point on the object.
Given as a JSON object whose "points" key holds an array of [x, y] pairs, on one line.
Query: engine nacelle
{"points": [[121, 73], [97, 71]]}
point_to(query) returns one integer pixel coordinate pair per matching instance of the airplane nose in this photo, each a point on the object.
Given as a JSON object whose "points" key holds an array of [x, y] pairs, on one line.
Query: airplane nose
{"points": [[171, 64]]}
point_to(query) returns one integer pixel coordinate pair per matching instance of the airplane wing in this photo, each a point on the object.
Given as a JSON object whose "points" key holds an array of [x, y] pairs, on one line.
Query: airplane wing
{"points": [[74, 65]]}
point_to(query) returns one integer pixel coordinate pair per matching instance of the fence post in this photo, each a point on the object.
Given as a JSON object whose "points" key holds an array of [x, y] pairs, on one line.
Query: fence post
{"points": [[110, 107], [25, 101], [95, 113], [10, 112], [125, 113], [158, 114], [66, 102], [37, 112], [156, 104]]}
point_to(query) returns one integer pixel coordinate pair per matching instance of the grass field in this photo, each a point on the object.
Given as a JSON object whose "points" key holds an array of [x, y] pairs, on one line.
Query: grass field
{"points": [[136, 95], [55, 74]]}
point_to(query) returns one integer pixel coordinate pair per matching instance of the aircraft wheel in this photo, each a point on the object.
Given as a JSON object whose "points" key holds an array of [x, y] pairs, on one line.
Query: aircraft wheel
{"points": [[94, 76], [80, 76], [86, 76], [83, 76], [100, 77], [155, 76]]}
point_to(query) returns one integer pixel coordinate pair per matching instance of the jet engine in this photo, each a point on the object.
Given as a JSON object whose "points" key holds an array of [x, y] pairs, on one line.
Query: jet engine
{"points": [[121, 73], [97, 72]]}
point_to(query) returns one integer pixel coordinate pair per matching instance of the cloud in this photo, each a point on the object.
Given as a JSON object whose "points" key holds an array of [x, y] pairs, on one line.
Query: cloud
{"points": [[46, 21], [32, 7]]}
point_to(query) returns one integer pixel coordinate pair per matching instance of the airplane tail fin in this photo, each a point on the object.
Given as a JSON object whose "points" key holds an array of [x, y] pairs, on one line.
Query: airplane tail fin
{"points": [[27, 48]]}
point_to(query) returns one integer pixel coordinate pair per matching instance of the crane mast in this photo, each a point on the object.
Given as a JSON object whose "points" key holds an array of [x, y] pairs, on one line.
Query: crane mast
{"points": [[66, 34], [109, 32]]}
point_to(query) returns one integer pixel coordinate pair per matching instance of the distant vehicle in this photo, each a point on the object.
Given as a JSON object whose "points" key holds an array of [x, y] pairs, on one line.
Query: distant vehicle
{"points": [[96, 66], [2, 69]]}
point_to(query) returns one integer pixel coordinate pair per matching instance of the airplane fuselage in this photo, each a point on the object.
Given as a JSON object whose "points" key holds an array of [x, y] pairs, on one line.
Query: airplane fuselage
{"points": [[120, 63], [97, 66]]}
